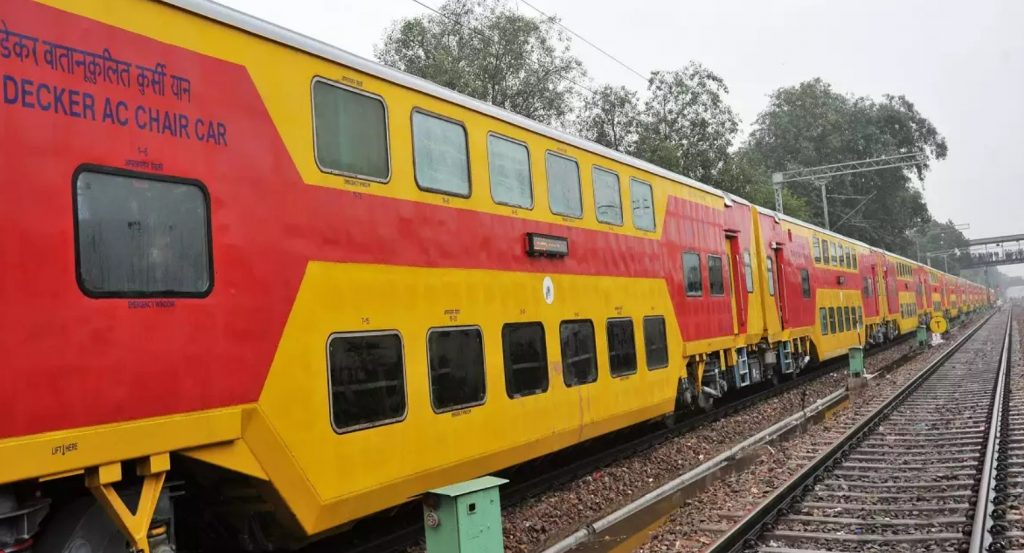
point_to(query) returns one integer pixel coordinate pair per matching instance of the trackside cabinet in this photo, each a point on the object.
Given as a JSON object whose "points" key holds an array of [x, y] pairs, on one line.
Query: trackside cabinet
{"points": [[464, 517]]}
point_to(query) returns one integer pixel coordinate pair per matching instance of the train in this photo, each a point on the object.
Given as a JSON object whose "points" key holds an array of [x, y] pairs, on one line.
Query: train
{"points": [[261, 285]]}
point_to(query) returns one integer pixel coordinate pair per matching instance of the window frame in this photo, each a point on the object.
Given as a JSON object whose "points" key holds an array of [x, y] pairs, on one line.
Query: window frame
{"points": [[748, 270], [387, 129], [805, 278], [816, 249], [529, 165], [834, 248], [839, 319], [770, 272], [647, 358], [636, 358], [594, 168], [700, 273], [135, 294], [330, 395], [561, 352], [847, 317], [469, 157], [579, 184], [823, 315], [824, 249], [832, 320], [504, 358], [632, 212], [721, 267], [430, 377]]}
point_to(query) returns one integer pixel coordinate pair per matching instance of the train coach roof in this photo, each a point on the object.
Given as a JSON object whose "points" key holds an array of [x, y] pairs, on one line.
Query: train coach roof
{"points": [[277, 33]]}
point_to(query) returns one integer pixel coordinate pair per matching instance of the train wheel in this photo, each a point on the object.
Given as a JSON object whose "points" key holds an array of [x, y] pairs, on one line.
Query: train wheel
{"points": [[705, 402], [82, 526]]}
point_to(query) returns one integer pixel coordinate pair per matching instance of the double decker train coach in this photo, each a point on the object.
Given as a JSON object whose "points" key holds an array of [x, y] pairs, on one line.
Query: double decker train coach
{"points": [[291, 288]]}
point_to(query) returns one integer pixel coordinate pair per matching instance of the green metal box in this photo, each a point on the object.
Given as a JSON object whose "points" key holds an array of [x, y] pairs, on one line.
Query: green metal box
{"points": [[856, 356], [464, 517]]}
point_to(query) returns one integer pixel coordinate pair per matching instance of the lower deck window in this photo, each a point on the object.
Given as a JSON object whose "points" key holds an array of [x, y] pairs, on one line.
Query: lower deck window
{"points": [[456, 358], [655, 342], [716, 277], [824, 320], [831, 320], [366, 377], [579, 358], [621, 347], [526, 359], [141, 237]]}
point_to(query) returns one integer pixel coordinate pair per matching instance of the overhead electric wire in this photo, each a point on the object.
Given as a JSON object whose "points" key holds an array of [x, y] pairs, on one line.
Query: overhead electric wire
{"points": [[581, 37], [492, 40]]}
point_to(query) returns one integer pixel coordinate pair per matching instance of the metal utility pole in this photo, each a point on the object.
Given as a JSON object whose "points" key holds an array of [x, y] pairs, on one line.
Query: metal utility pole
{"points": [[820, 174]]}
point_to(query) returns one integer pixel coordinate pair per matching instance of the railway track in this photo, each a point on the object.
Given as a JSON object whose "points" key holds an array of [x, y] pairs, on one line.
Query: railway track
{"points": [[403, 528], [910, 474]]}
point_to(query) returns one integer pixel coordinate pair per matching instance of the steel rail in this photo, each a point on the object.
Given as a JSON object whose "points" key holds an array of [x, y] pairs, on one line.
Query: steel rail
{"points": [[984, 521], [750, 527]]}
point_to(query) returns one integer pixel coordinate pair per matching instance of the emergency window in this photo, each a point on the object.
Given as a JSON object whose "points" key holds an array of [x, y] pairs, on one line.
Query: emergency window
{"points": [[564, 195], [642, 196], [607, 196], [440, 154], [655, 343], [748, 271], [817, 249], [691, 270], [716, 280], [771, 277], [366, 378], [351, 132], [526, 359], [579, 357], [140, 237], [509, 165], [805, 283], [831, 320], [823, 314], [456, 358], [621, 347]]}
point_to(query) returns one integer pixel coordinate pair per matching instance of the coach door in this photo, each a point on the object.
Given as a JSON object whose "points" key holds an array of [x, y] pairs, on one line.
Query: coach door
{"points": [[777, 267], [739, 291]]}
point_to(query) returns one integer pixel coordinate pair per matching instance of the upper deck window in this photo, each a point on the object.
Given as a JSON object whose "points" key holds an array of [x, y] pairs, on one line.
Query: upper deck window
{"points": [[817, 249], [509, 163], [351, 132], [824, 250], [141, 237], [642, 196], [607, 196], [367, 380], [440, 154], [564, 195]]}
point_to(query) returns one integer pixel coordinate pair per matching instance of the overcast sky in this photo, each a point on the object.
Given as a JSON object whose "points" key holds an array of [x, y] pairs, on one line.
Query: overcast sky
{"points": [[961, 62]]}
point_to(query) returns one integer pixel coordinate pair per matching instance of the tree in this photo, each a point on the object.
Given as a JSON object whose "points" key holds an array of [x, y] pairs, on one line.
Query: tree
{"points": [[484, 49], [811, 124], [686, 125], [746, 175], [611, 117], [939, 239]]}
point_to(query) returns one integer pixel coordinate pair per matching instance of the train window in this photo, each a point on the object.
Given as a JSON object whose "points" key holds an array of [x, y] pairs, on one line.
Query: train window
{"points": [[655, 343], [621, 347], [840, 327], [805, 282], [867, 287], [833, 248], [509, 165], [440, 154], [579, 357], [849, 257], [842, 258], [823, 314], [526, 359], [141, 237], [824, 249], [854, 258], [860, 317], [716, 280], [456, 356], [366, 378], [847, 318], [748, 271], [607, 196], [771, 277], [642, 197], [831, 320], [817, 249], [350, 131], [564, 194], [692, 272]]}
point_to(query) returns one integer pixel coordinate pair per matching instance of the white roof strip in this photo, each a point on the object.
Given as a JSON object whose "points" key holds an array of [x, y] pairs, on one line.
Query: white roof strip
{"points": [[266, 29]]}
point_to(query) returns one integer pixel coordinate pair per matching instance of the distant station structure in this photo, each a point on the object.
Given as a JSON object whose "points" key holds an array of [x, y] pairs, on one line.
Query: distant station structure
{"points": [[993, 251]]}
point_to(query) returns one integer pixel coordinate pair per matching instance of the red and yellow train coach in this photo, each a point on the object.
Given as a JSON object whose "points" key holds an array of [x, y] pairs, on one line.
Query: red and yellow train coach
{"points": [[250, 261]]}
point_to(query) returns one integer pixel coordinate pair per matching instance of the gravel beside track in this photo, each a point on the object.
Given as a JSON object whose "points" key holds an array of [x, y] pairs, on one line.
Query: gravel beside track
{"points": [[703, 519], [542, 520]]}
